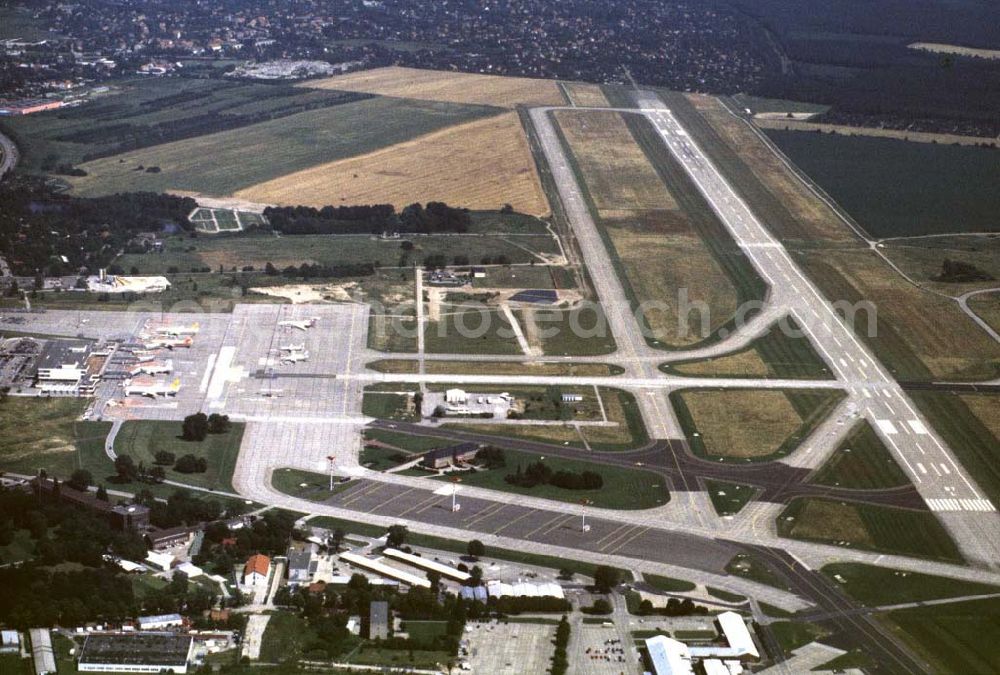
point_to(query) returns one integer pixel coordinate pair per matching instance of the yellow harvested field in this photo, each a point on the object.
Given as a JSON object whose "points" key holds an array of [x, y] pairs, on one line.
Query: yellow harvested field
{"points": [[452, 87], [843, 129], [958, 50], [452, 165], [616, 171], [585, 95], [747, 363], [819, 219], [742, 423], [948, 342], [831, 521], [660, 267]]}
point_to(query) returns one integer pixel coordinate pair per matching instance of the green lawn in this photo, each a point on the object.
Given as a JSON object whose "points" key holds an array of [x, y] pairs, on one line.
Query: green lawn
{"points": [[42, 433], [406, 442], [425, 630], [861, 462], [794, 634], [957, 639], [785, 354], [624, 488], [306, 484], [570, 332], [729, 498], [470, 330], [388, 406], [724, 595], [750, 567], [877, 528], [668, 584], [285, 638], [258, 249], [874, 586], [142, 439], [381, 459]]}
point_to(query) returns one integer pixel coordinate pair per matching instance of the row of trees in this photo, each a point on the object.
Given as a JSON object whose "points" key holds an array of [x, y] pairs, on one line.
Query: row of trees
{"points": [[539, 473], [374, 219], [198, 426]]}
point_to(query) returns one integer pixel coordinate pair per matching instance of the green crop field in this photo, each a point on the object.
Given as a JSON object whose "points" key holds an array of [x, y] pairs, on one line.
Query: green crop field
{"points": [[877, 528], [729, 498], [142, 439], [886, 184], [223, 162], [861, 462], [624, 488], [874, 586]]}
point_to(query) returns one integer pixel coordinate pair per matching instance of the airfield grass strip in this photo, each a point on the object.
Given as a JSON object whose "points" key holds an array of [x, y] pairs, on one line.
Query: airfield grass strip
{"points": [[861, 462]]}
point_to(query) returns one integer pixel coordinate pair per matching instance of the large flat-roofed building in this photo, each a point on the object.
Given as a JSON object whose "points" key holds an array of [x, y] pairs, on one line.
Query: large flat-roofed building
{"points": [[441, 457], [136, 653], [27, 106], [669, 656], [378, 620], [123, 517], [42, 655]]}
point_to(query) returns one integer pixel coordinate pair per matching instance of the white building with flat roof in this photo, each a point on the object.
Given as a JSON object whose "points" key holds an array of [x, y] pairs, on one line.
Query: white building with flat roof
{"points": [[669, 656]]}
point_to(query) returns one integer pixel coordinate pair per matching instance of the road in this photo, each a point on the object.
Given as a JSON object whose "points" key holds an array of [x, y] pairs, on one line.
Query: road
{"points": [[8, 155]]}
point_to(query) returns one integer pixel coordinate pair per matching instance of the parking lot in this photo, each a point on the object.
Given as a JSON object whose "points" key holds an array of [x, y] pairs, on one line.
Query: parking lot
{"points": [[514, 648]]}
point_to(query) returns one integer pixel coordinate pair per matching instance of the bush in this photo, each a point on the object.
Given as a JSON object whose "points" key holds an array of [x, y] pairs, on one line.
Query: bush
{"points": [[191, 464]]}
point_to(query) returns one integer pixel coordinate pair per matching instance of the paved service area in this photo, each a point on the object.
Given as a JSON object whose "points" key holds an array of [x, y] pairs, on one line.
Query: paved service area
{"points": [[432, 504], [509, 648], [599, 650]]}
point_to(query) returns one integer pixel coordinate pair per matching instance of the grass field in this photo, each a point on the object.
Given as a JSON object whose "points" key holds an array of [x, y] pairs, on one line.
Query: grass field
{"points": [[381, 459], [875, 586], [970, 427], [453, 87], [624, 488], [957, 639], [921, 258], [753, 568], [662, 237], [919, 335], [406, 442], [464, 174], [790, 210], [585, 95], [388, 406], [752, 424], [620, 407], [496, 368], [885, 185], [573, 332], [225, 162], [470, 330], [987, 307], [143, 112], [21, 547], [729, 498], [668, 584], [305, 484], [774, 354], [794, 634], [257, 250], [41, 433], [771, 105], [142, 439], [617, 173], [861, 462], [875, 528]]}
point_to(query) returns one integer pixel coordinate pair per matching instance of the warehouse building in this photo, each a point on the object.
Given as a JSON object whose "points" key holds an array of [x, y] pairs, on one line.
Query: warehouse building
{"points": [[427, 565], [136, 653], [671, 657], [378, 567], [42, 654], [378, 620], [160, 621]]}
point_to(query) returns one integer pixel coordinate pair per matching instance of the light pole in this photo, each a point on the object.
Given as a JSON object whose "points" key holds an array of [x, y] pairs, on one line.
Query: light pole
{"points": [[330, 460], [455, 506], [584, 527]]}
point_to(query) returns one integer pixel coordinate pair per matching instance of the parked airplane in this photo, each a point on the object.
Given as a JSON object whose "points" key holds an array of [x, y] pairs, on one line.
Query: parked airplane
{"points": [[179, 330], [144, 357], [168, 342], [301, 324], [153, 390], [293, 348], [153, 368], [294, 357]]}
